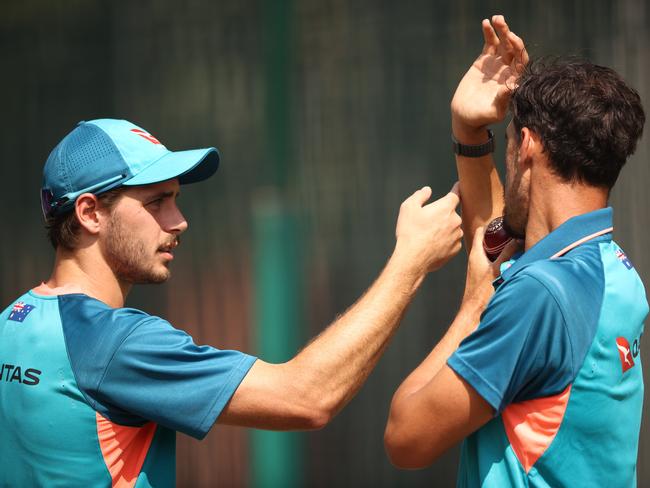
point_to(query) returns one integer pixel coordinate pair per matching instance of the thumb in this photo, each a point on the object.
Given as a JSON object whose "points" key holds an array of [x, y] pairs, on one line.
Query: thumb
{"points": [[422, 195], [511, 248]]}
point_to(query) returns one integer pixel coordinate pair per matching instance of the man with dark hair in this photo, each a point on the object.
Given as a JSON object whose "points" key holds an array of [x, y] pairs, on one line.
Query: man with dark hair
{"points": [[539, 372], [91, 393], [589, 119]]}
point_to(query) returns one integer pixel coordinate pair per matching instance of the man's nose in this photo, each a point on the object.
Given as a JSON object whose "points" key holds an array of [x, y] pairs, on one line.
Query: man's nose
{"points": [[178, 222]]}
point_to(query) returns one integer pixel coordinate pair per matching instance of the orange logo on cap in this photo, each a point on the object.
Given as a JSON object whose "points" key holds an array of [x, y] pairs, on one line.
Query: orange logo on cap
{"points": [[146, 135]]}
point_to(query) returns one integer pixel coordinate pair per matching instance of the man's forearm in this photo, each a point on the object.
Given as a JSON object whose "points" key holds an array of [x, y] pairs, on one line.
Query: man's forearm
{"points": [[480, 184], [429, 413], [335, 364], [307, 391], [482, 99]]}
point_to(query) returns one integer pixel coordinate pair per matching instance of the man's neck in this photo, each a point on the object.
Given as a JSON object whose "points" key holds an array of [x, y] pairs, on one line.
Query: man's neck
{"points": [[555, 203], [86, 274]]}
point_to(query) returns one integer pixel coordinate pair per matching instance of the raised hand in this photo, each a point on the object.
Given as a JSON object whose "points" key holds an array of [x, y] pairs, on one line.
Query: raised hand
{"points": [[483, 94], [428, 235]]}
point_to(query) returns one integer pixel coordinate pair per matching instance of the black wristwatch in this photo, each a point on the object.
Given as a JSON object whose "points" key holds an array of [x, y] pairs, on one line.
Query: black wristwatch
{"points": [[475, 150]]}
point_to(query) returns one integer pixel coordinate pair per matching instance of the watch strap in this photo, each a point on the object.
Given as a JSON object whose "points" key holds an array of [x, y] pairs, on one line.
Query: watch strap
{"points": [[474, 150]]}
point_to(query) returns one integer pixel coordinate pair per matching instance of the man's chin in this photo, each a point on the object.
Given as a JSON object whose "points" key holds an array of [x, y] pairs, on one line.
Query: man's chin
{"points": [[159, 280], [151, 278], [161, 277], [160, 273]]}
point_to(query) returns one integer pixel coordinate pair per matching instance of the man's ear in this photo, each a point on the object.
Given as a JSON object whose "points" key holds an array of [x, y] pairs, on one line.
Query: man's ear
{"points": [[529, 146], [86, 208]]}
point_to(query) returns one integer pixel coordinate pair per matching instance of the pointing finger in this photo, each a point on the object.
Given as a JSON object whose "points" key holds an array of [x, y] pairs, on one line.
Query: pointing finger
{"points": [[453, 197]]}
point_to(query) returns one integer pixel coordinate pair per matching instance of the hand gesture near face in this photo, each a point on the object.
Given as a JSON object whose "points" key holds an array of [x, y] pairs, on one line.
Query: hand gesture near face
{"points": [[483, 94], [428, 234]]}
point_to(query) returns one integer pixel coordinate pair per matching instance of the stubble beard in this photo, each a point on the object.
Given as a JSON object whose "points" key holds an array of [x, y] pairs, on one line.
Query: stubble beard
{"points": [[515, 213], [512, 222], [128, 257]]}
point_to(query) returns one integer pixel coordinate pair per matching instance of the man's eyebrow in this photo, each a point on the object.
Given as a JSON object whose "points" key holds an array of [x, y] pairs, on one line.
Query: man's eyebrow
{"points": [[162, 194]]}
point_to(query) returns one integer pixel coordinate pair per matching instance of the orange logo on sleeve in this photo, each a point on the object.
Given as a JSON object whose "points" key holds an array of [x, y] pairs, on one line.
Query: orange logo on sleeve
{"points": [[625, 353]]}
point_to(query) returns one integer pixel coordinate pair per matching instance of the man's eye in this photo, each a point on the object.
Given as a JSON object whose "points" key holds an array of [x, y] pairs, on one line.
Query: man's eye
{"points": [[155, 202]]}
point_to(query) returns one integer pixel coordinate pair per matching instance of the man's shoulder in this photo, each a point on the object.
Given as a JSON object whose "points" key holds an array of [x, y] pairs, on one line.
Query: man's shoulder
{"points": [[93, 330], [570, 280], [78, 310], [7, 308], [94, 333]]}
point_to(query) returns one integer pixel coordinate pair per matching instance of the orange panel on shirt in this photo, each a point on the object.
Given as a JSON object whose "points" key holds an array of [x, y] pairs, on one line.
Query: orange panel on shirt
{"points": [[532, 425], [124, 449]]}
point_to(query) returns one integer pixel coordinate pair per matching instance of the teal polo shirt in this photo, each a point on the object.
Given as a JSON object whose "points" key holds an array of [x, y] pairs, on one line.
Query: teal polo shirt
{"points": [[556, 355], [92, 396]]}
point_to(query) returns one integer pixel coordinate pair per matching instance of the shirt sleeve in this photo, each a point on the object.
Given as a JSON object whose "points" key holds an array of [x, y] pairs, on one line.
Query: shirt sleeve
{"points": [[159, 374], [521, 349]]}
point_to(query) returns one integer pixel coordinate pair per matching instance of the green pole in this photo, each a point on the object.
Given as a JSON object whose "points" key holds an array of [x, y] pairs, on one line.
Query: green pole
{"points": [[277, 460], [276, 456]]}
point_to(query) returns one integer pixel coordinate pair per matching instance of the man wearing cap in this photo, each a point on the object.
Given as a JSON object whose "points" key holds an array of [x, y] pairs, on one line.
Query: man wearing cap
{"points": [[539, 373], [91, 393]]}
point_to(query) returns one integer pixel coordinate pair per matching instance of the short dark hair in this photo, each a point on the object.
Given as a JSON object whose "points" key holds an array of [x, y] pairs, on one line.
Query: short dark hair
{"points": [[588, 119], [63, 230]]}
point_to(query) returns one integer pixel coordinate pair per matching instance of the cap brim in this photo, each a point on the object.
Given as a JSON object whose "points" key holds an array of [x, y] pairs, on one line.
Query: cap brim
{"points": [[188, 166]]}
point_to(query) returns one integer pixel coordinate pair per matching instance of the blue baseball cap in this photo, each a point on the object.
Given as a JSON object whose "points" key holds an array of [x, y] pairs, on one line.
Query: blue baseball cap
{"points": [[103, 154]]}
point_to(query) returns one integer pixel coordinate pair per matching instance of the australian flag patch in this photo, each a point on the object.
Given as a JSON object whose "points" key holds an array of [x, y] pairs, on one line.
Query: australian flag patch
{"points": [[624, 259], [20, 311]]}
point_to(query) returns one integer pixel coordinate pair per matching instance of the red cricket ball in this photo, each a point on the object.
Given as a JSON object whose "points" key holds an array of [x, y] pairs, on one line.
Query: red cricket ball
{"points": [[495, 239]]}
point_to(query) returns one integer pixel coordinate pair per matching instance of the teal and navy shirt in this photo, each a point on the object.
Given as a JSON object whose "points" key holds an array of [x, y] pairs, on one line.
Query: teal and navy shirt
{"points": [[556, 355], [91, 396]]}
